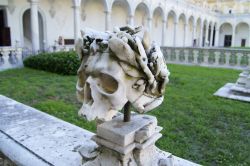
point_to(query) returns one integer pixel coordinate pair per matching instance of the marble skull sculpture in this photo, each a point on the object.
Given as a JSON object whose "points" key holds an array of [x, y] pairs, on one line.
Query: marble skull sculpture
{"points": [[117, 67]]}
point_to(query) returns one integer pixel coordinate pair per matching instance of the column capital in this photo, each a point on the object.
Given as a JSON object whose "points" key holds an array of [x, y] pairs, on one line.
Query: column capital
{"points": [[107, 11], [131, 16], [33, 1], [76, 3], [149, 19]]}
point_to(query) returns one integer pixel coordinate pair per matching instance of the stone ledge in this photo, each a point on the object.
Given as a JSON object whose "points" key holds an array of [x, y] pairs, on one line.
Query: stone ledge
{"points": [[227, 92], [30, 137]]}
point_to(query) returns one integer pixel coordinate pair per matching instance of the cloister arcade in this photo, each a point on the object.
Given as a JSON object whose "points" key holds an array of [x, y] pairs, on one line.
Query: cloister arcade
{"points": [[168, 23]]}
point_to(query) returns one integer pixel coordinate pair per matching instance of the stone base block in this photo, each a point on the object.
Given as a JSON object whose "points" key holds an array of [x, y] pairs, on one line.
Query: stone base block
{"points": [[129, 143], [233, 92]]}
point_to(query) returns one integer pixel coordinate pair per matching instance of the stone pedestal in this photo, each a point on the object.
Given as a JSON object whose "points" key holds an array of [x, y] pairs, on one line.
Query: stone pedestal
{"points": [[127, 143], [238, 91]]}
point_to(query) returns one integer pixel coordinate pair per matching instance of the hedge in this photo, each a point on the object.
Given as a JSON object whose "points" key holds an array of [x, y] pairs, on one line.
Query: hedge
{"points": [[65, 63]]}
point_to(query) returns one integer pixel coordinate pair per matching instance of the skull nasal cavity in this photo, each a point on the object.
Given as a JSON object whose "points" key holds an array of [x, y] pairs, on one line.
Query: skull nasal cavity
{"points": [[107, 83]]}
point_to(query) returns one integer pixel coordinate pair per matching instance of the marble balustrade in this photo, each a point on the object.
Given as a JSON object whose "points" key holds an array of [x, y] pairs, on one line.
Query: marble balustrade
{"points": [[210, 57], [10, 58]]}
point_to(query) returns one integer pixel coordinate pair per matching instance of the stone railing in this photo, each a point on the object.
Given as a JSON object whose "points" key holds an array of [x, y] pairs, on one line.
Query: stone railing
{"points": [[210, 57], [10, 58], [52, 142]]}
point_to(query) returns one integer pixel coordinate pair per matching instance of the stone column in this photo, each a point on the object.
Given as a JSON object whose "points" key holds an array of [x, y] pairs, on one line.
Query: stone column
{"points": [[76, 10], [216, 41], [185, 34], [131, 20], [163, 32], [174, 40], [34, 25], [233, 36], [206, 36], [194, 33], [201, 35], [150, 25], [211, 36], [107, 20]]}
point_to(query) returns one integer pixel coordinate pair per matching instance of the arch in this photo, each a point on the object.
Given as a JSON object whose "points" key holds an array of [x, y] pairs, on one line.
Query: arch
{"points": [[161, 10], [157, 26], [242, 34], [173, 14], [225, 33], [183, 17], [171, 24], [145, 3], [26, 29], [92, 9], [120, 13], [141, 15], [180, 36]]}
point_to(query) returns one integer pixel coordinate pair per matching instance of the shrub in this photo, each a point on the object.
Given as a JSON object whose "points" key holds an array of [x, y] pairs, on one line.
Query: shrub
{"points": [[65, 63]]}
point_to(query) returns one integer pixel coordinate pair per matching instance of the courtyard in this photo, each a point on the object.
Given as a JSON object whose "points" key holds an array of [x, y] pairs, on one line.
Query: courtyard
{"points": [[196, 125]]}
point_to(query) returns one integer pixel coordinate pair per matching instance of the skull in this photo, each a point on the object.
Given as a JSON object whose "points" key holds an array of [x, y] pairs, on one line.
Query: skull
{"points": [[109, 77]]}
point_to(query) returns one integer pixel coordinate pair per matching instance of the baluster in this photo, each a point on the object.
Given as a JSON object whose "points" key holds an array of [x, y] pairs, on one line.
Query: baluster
{"points": [[19, 58], [177, 56], [239, 56], [6, 63], [186, 54], [227, 57], [217, 58], [206, 56], [196, 54], [168, 55], [248, 56]]}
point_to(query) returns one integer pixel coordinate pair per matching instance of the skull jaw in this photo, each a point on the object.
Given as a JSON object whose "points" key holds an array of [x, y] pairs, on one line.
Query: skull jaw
{"points": [[91, 114]]}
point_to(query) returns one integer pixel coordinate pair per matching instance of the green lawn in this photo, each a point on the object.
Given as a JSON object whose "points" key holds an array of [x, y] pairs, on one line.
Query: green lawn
{"points": [[197, 125]]}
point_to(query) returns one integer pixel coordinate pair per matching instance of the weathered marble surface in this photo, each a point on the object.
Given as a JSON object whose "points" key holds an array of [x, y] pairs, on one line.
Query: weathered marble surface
{"points": [[238, 91], [227, 92], [30, 137], [119, 67]]}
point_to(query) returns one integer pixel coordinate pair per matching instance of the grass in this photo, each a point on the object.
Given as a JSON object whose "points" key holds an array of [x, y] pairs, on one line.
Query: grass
{"points": [[197, 125]]}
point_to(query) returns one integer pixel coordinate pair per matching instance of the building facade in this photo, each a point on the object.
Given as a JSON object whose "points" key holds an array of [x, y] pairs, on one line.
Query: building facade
{"points": [[43, 24]]}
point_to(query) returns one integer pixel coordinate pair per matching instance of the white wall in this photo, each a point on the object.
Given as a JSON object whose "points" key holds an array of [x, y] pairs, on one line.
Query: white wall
{"points": [[62, 22], [93, 14]]}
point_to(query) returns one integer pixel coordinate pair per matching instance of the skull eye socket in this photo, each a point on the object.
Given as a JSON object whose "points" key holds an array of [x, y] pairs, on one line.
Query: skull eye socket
{"points": [[107, 83]]}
